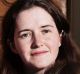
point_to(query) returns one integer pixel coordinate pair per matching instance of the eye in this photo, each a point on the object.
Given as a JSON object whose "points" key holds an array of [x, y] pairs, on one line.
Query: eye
{"points": [[46, 31], [25, 35]]}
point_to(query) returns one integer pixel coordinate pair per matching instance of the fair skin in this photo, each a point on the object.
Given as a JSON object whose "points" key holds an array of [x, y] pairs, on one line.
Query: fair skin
{"points": [[36, 38]]}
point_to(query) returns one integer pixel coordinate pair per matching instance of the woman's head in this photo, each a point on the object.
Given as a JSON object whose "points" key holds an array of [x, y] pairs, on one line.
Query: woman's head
{"points": [[36, 31], [36, 37]]}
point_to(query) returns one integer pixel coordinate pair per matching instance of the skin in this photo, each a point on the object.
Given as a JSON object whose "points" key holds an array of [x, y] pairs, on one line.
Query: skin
{"points": [[36, 38]]}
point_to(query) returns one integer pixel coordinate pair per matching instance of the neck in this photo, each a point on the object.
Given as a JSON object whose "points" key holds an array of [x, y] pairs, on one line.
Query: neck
{"points": [[41, 71], [35, 71]]}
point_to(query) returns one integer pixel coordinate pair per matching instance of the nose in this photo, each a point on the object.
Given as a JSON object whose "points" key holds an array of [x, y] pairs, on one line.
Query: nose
{"points": [[36, 42]]}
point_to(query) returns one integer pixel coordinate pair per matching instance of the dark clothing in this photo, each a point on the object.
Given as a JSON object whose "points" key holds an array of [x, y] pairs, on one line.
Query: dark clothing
{"points": [[71, 68]]}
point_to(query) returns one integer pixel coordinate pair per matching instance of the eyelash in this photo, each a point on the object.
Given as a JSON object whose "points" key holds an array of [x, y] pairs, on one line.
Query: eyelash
{"points": [[25, 35], [46, 31]]}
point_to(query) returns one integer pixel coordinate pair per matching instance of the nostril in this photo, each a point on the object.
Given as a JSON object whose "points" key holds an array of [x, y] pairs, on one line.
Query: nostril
{"points": [[34, 46]]}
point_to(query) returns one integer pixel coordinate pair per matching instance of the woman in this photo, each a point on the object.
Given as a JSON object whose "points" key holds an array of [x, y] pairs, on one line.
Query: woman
{"points": [[35, 40]]}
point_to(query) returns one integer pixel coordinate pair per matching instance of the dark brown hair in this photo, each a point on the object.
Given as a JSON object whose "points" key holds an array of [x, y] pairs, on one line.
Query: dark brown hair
{"points": [[12, 63]]}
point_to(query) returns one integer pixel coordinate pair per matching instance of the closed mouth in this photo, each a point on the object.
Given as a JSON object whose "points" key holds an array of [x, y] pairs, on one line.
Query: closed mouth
{"points": [[38, 52]]}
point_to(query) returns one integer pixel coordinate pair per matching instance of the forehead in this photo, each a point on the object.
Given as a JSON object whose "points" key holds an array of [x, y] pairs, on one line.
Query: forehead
{"points": [[34, 15]]}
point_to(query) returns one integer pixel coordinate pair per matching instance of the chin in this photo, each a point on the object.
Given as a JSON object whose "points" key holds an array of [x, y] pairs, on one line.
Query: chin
{"points": [[40, 65]]}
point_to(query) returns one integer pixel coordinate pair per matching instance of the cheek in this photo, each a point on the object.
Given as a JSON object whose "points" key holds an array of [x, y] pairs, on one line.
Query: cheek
{"points": [[22, 46], [53, 44], [23, 49], [53, 48], [53, 41]]}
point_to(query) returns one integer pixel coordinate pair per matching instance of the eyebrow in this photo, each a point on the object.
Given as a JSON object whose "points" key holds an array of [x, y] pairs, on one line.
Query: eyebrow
{"points": [[23, 30], [46, 26], [30, 30]]}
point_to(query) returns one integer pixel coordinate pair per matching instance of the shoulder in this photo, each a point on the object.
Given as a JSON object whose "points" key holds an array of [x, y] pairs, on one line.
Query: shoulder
{"points": [[71, 68]]}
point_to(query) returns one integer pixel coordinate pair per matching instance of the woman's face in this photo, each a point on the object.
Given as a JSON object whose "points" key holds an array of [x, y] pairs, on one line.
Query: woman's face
{"points": [[36, 38]]}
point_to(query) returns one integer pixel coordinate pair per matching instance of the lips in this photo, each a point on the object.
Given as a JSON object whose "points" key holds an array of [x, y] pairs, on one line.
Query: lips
{"points": [[38, 52]]}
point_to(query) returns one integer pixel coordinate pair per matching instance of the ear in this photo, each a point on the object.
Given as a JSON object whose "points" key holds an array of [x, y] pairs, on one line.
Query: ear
{"points": [[60, 38], [59, 43], [12, 46], [61, 33]]}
